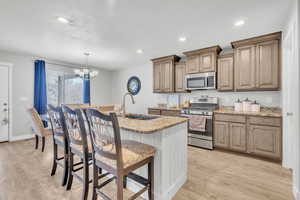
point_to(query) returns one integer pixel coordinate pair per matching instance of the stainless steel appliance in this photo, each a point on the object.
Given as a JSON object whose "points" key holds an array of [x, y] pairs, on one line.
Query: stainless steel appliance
{"points": [[203, 106], [201, 81]]}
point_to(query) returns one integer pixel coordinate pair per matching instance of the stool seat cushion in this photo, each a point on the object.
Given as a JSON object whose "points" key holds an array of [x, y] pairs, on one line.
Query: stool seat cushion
{"points": [[132, 152]]}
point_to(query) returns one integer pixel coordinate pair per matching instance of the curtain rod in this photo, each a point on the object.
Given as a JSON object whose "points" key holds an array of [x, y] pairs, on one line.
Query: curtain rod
{"points": [[55, 63]]}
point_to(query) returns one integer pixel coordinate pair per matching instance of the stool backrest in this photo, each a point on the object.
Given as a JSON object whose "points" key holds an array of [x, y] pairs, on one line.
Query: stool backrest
{"points": [[75, 128], [57, 120], [105, 135], [36, 121]]}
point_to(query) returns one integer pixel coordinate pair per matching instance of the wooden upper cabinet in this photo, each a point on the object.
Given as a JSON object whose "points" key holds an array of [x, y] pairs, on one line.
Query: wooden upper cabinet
{"points": [[207, 62], [267, 67], [180, 70], [167, 69], [192, 64], [202, 60], [157, 78], [257, 62], [164, 74], [225, 73], [245, 68]]}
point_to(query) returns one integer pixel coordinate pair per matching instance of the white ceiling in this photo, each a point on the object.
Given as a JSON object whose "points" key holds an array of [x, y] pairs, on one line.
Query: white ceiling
{"points": [[112, 30]]}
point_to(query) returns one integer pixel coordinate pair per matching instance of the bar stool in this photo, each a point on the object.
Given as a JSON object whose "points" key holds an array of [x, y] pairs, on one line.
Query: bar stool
{"points": [[78, 146], [119, 158], [38, 128], [59, 140]]}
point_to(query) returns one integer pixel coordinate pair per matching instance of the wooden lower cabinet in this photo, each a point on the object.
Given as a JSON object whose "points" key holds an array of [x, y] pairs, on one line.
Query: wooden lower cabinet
{"points": [[259, 136], [265, 141], [152, 111], [221, 134], [237, 135], [164, 112]]}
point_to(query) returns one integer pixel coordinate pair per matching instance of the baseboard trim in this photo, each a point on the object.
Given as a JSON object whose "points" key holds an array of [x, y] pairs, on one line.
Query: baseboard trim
{"points": [[21, 137], [296, 193]]}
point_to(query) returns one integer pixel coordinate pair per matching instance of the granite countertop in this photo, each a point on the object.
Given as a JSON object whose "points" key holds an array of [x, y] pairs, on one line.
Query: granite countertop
{"points": [[264, 112], [149, 126]]}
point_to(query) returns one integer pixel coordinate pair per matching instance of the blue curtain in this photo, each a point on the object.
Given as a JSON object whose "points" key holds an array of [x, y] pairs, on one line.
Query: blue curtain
{"points": [[40, 90], [86, 89]]}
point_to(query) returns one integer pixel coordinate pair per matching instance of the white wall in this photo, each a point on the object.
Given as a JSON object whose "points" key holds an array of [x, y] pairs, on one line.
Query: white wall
{"points": [[22, 90], [146, 98]]}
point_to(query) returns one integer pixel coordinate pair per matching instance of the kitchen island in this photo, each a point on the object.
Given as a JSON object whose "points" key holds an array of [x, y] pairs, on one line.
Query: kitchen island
{"points": [[169, 136]]}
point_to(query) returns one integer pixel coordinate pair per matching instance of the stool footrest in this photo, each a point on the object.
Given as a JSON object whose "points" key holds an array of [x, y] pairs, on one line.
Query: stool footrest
{"points": [[138, 179]]}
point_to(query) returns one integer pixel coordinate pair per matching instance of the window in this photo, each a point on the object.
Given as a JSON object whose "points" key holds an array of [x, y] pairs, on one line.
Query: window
{"points": [[64, 88]]}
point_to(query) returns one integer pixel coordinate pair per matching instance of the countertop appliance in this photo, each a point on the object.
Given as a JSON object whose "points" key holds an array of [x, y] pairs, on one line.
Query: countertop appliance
{"points": [[203, 106], [201, 81]]}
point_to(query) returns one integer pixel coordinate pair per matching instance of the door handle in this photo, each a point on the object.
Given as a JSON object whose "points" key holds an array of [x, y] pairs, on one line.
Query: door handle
{"points": [[4, 122], [289, 114]]}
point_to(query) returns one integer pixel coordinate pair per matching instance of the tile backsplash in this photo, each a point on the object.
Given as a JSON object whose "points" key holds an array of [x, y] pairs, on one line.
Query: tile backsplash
{"points": [[265, 98]]}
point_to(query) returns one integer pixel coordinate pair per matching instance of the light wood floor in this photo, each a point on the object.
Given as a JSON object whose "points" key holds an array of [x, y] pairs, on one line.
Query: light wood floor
{"points": [[212, 175]]}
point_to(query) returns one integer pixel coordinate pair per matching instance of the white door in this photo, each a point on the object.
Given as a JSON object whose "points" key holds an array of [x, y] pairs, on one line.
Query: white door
{"points": [[290, 95], [4, 88]]}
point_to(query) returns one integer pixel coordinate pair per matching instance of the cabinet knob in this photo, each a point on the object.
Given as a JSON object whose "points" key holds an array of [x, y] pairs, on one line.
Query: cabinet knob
{"points": [[289, 114]]}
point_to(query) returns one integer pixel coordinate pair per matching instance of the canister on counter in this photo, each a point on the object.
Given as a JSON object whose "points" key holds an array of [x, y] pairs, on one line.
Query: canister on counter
{"points": [[247, 105], [238, 106]]}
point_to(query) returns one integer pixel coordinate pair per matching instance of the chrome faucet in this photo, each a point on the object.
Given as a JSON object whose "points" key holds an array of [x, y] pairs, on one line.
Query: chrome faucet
{"points": [[124, 104]]}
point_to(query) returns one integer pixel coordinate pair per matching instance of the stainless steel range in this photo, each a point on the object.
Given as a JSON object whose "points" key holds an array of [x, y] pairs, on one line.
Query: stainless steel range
{"points": [[200, 115]]}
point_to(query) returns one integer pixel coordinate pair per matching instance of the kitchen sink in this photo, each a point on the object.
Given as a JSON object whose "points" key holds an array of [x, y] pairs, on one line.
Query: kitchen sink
{"points": [[141, 117]]}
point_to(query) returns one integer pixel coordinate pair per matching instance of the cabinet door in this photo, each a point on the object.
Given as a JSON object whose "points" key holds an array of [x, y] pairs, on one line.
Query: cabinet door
{"points": [[192, 64], [267, 66], [221, 134], [207, 62], [157, 78], [265, 141], [225, 74], [244, 67], [167, 76], [180, 77], [237, 137]]}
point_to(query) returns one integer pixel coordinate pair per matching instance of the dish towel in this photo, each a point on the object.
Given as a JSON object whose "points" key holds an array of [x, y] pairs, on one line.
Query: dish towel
{"points": [[197, 123]]}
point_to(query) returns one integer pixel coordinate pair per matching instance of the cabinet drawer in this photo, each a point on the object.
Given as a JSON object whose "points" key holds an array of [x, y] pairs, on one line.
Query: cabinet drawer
{"points": [[269, 121], [230, 118], [170, 113], [153, 111]]}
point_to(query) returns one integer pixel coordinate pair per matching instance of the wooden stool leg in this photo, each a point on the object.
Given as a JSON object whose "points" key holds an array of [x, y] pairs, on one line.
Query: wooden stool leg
{"points": [[36, 141], [85, 178], [66, 166], [71, 167], [125, 182], [43, 144], [96, 172], [151, 179], [120, 182], [54, 165]]}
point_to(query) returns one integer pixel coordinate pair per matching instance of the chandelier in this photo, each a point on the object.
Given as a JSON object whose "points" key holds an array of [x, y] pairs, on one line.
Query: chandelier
{"points": [[85, 72]]}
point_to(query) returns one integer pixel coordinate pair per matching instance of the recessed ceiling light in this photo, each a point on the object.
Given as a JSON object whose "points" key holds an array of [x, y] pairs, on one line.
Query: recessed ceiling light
{"points": [[63, 20], [239, 23], [139, 51], [182, 39]]}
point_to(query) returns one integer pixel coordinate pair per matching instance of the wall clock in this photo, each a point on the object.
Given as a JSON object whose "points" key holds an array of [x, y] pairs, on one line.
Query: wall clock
{"points": [[134, 85]]}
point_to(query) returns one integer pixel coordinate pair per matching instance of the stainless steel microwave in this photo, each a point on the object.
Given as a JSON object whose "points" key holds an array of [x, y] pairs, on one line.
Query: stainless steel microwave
{"points": [[201, 81]]}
